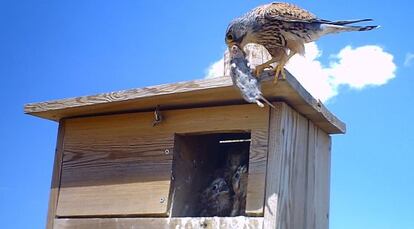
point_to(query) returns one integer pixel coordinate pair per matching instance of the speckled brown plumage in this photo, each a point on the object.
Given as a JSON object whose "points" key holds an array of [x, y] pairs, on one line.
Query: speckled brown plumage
{"points": [[216, 199], [283, 29], [239, 185], [225, 194], [285, 11]]}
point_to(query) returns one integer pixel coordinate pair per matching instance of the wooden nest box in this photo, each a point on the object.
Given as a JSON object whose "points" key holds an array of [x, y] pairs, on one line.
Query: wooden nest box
{"points": [[116, 166]]}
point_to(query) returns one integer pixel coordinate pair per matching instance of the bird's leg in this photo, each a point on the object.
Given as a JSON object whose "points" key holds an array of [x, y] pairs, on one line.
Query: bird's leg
{"points": [[259, 68], [280, 68]]}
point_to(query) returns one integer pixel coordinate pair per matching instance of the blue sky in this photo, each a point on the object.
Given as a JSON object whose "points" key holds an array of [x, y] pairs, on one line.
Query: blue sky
{"points": [[59, 49]]}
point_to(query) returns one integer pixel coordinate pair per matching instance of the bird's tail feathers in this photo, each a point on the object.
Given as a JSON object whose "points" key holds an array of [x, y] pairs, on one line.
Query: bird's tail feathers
{"points": [[331, 28], [347, 22]]}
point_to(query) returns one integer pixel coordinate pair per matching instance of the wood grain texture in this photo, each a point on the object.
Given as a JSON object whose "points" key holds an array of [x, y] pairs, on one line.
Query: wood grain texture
{"points": [[191, 172], [256, 180], [293, 175], [274, 165], [319, 187], [197, 93], [312, 176], [114, 169], [54, 190], [116, 165], [162, 223], [297, 193]]}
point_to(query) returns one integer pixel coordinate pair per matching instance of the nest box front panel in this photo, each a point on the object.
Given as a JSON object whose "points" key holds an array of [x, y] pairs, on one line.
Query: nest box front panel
{"points": [[114, 165], [122, 165]]}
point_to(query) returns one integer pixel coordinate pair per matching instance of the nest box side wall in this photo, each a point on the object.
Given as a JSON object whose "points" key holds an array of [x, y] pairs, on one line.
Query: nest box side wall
{"points": [[298, 172]]}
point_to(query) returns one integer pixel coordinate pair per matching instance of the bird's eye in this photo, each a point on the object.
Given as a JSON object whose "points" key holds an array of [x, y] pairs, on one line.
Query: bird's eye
{"points": [[229, 37], [215, 187]]}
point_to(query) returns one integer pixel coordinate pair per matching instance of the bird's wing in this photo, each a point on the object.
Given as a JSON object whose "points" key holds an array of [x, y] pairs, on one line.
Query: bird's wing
{"points": [[291, 13], [286, 12]]}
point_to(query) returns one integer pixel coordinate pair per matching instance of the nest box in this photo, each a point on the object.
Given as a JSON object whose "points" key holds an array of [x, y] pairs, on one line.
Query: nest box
{"points": [[140, 158]]}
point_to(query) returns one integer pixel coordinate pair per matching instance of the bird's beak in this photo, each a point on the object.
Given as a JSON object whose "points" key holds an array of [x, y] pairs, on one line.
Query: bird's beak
{"points": [[230, 44]]}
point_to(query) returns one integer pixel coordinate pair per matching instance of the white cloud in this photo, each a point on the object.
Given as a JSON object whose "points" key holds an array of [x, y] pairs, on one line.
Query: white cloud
{"points": [[216, 69], [363, 66], [356, 68], [409, 57], [311, 74]]}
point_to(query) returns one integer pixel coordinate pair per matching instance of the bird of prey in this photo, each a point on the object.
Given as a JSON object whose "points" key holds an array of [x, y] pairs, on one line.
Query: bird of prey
{"points": [[216, 199], [283, 29], [239, 183], [236, 156]]}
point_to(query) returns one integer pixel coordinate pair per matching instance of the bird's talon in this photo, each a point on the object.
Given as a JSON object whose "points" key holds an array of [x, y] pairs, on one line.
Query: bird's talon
{"points": [[277, 71], [283, 74], [257, 72]]}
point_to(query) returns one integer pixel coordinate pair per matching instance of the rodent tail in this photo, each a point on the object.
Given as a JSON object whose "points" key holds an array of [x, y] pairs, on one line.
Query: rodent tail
{"points": [[267, 102]]}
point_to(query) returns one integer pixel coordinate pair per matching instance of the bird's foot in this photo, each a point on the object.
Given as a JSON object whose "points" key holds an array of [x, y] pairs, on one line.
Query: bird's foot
{"points": [[279, 70], [260, 68]]}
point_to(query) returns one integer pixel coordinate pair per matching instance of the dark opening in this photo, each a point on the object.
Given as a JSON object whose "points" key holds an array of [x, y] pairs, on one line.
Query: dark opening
{"points": [[210, 174]]}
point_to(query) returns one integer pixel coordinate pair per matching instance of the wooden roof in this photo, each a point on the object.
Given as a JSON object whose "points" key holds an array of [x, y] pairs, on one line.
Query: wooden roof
{"points": [[197, 93]]}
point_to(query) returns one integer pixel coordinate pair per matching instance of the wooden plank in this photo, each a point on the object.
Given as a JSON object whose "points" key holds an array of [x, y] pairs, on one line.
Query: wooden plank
{"points": [[298, 168], [318, 186], [274, 164], [322, 181], [256, 181], [311, 181], [297, 193], [197, 93], [110, 171], [113, 165], [292, 172], [54, 190], [190, 176], [160, 223]]}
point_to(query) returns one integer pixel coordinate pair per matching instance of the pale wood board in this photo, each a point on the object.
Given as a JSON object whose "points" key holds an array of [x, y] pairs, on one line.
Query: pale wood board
{"points": [[55, 184], [116, 165], [257, 171], [197, 93], [161, 223], [297, 159], [319, 161], [297, 193], [114, 169], [274, 165], [322, 181], [292, 179], [312, 176]]}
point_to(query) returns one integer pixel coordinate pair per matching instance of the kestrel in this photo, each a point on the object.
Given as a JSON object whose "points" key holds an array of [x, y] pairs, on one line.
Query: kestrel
{"points": [[239, 183], [283, 29], [216, 199]]}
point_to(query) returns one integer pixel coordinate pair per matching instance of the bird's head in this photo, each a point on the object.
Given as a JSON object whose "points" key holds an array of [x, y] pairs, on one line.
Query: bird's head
{"points": [[219, 185], [235, 34], [239, 178], [217, 188]]}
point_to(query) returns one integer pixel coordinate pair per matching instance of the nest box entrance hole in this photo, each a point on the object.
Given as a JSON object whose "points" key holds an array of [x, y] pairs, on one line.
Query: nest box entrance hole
{"points": [[210, 174]]}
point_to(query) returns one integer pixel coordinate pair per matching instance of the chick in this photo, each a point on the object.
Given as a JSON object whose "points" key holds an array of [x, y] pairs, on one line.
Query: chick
{"points": [[234, 158], [216, 199], [239, 186]]}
